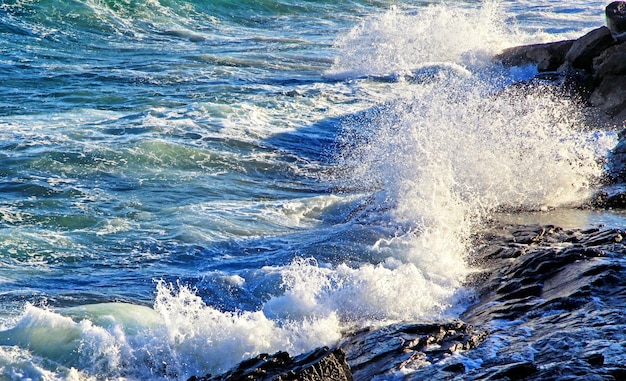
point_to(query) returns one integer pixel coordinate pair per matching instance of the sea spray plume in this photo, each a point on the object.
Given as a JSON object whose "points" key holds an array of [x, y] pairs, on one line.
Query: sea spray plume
{"points": [[452, 152], [438, 157], [399, 41], [354, 296], [180, 337], [201, 337]]}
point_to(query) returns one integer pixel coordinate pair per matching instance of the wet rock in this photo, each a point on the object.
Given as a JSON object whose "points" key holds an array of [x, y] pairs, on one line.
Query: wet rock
{"points": [[616, 17], [560, 55], [376, 353], [549, 309], [595, 359], [547, 57], [616, 201], [610, 61], [454, 368], [588, 47], [322, 364], [610, 95], [517, 371], [616, 169], [591, 68], [559, 306]]}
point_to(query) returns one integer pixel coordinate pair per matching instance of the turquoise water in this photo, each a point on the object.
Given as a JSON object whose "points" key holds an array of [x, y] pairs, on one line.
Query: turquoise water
{"points": [[184, 184]]}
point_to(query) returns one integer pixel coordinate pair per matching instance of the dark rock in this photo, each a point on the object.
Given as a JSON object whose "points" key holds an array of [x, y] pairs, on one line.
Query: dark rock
{"points": [[454, 368], [610, 95], [591, 70], [588, 47], [373, 353], [616, 167], [595, 359], [551, 311], [617, 201], [522, 292], [616, 17], [612, 61], [563, 297], [322, 364], [547, 57], [618, 372], [517, 371]]}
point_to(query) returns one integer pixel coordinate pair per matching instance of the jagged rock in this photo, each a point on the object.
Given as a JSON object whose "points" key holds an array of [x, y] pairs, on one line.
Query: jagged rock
{"points": [[588, 47], [616, 167], [610, 96], [616, 201], [544, 276], [592, 68], [516, 371], [322, 364], [373, 353], [612, 61], [616, 17], [596, 359], [563, 296], [547, 57], [549, 306], [560, 55]]}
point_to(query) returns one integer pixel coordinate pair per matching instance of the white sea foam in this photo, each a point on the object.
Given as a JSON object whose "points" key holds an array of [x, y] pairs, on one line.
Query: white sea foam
{"points": [[19, 364], [180, 337]]}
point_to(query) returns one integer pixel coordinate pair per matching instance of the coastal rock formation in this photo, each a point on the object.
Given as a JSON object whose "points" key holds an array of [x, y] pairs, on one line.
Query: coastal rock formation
{"points": [[549, 302], [547, 57], [322, 364], [593, 67], [402, 348], [595, 61], [616, 18], [617, 172], [370, 353], [549, 306], [553, 300]]}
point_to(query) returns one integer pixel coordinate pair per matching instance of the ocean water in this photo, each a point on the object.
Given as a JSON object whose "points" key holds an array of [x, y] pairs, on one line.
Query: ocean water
{"points": [[185, 184]]}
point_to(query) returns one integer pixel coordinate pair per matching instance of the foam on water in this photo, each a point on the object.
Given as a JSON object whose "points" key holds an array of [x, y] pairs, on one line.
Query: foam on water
{"points": [[180, 337]]}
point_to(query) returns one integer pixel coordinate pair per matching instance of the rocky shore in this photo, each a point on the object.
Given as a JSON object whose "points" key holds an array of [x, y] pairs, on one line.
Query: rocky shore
{"points": [[550, 302], [550, 306], [593, 66]]}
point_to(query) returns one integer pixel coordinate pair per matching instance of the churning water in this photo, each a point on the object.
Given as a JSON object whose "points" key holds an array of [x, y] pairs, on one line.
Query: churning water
{"points": [[185, 184]]}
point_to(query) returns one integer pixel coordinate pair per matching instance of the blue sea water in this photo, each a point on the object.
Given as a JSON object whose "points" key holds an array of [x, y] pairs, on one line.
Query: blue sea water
{"points": [[185, 184]]}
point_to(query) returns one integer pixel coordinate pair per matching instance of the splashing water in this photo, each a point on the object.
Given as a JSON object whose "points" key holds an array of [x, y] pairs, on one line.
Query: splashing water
{"points": [[428, 157]]}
